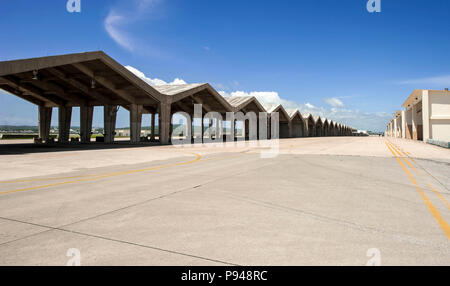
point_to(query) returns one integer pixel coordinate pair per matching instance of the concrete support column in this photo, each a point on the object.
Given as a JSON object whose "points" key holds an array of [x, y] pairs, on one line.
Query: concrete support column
{"points": [[135, 122], [203, 129], [109, 122], [257, 128], [246, 127], [45, 118], [192, 127], [152, 136], [210, 126], [404, 124], [426, 115], [165, 118], [64, 118], [86, 114], [232, 129], [218, 129], [414, 121], [395, 128]]}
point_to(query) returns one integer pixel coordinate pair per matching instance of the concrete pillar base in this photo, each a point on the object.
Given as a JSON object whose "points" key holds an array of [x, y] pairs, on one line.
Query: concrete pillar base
{"points": [[45, 117], [64, 118], [109, 117], [152, 136], [165, 118], [135, 123], [86, 114]]}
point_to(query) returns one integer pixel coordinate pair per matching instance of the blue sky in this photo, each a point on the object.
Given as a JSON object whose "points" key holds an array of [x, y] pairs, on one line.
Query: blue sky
{"points": [[328, 57]]}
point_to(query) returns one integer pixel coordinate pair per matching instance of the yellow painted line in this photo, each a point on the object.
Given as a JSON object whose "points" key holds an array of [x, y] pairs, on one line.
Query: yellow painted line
{"points": [[92, 175], [437, 193], [49, 179], [404, 158], [198, 157], [432, 209], [440, 196]]}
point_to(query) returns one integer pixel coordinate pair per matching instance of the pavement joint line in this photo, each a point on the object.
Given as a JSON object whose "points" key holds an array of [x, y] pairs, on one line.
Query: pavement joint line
{"points": [[431, 208], [102, 214], [435, 191], [325, 219], [60, 228], [119, 173], [96, 175], [50, 228], [93, 175], [359, 175]]}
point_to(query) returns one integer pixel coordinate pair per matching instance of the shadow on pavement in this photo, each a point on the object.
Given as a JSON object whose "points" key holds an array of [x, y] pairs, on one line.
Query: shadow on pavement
{"points": [[28, 148]]}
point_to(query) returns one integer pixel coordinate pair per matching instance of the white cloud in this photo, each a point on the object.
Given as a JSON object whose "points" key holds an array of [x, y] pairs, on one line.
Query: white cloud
{"points": [[436, 81], [154, 81], [116, 22], [309, 105], [112, 25], [334, 102]]}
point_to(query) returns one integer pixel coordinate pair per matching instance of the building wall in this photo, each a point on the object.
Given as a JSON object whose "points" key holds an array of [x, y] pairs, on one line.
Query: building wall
{"points": [[439, 115], [409, 124], [417, 121]]}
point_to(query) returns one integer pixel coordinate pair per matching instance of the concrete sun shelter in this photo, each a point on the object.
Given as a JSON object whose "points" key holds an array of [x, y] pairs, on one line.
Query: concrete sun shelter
{"points": [[297, 124], [310, 125], [332, 128], [182, 99], [249, 106], [326, 127], [84, 80], [284, 119], [91, 79], [319, 126]]}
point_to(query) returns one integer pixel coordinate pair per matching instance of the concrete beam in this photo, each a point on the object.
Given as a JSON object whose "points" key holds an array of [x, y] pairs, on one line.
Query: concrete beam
{"points": [[105, 82], [87, 91], [53, 89], [204, 105], [34, 92]]}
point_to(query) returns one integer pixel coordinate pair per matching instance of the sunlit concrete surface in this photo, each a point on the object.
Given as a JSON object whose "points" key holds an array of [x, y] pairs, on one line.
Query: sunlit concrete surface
{"points": [[321, 201]]}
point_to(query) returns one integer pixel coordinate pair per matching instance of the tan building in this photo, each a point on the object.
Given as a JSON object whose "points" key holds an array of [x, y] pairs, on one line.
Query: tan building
{"points": [[426, 117]]}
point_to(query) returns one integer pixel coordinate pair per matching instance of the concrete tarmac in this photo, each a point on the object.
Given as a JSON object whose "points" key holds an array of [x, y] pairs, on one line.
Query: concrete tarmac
{"points": [[320, 201]]}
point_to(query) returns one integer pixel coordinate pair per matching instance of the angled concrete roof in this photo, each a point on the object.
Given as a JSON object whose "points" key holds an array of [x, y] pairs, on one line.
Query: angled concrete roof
{"points": [[271, 108], [67, 80], [202, 93], [240, 102], [317, 119], [175, 89], [293, 113]]}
